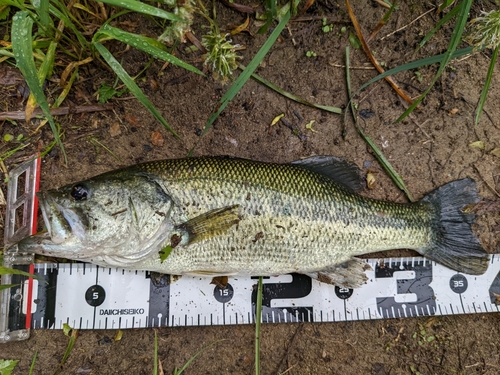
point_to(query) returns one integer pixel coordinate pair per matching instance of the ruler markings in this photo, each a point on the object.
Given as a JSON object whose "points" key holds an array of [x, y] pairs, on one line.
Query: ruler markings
{"points": [[397, 288]]}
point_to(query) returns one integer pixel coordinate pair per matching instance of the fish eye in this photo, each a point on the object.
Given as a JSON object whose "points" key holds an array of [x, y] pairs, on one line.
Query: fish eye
{"points": [[79, 193]]}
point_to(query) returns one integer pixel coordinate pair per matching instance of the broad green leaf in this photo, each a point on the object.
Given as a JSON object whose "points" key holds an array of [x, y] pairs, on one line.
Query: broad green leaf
{"points": [[7, 366], [148, 45], [165, 252], [144, 8], [353, 39], [42, 10], [22, 25], [4, 13], [131, 85], [106, 92]]}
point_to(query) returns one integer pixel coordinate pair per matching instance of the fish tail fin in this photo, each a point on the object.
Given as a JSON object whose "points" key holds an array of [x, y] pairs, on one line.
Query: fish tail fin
{"points": [[455, 245]]}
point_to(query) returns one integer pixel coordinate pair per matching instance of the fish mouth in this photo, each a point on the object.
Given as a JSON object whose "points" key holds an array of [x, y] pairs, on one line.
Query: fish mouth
{"points": [[62, 223]]}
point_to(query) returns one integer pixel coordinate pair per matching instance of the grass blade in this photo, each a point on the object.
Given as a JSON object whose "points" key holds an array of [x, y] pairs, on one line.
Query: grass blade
{"points": [[291, 96], [247, 73], [486, 86], [72, 334], [258, 318], [155, 366], [178, 372], [45, 70], [382, 22], [7, 286], [64, 17], [378, 153], [148, 45], [452, 13], [144, 8], [455, 40], [33, 361], [415, 65], [13, 271], [444, 5], [22, 25], [131, 85]]}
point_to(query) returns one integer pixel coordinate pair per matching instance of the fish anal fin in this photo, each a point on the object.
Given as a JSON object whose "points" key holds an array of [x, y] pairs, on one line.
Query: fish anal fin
{"points": [[210, 224], [339, 170], [350, 274]]}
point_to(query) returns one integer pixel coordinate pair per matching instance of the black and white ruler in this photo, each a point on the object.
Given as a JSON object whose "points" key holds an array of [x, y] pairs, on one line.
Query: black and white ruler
{"points": [[92, 297]]}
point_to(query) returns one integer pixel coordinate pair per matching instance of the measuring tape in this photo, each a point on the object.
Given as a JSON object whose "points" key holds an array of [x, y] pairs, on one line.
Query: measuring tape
{"points": [[86, 296]]}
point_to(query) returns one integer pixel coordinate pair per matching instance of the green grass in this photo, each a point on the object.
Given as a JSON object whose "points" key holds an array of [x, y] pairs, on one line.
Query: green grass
{"points": [[244, 75], [456, 38], [485, 35], [45, 31], [377, 152]]}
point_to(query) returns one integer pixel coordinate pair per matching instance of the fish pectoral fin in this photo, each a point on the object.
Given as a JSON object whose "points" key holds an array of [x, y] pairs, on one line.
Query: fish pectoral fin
{"points": [[337, 169], [350, 274], [210, 224]]}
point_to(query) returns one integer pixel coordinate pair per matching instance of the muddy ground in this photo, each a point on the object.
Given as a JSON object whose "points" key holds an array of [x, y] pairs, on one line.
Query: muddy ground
{"points": [[428, 149]]}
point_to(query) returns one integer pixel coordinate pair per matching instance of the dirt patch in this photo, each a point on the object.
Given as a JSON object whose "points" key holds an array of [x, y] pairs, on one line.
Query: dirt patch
{"points": [[428, 149]]}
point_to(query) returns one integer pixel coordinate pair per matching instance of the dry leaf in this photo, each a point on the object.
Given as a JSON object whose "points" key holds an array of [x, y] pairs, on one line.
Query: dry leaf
{"points": [[370, 180], [477, 144], [242, 27], [118, 335], [495, 152], [133, 120], [157, 139], [115, 130], [276, 119], [220, 281]]}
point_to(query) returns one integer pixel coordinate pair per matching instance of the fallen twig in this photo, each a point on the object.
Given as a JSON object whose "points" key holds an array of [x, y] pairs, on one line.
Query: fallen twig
{"points": [[238, 7], [20, 115], [372, 58], [405, 26]]}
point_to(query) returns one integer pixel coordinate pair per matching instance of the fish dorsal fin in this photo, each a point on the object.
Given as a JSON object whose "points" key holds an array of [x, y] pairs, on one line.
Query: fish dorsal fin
{"points": [[210, 224], [337, 169]]}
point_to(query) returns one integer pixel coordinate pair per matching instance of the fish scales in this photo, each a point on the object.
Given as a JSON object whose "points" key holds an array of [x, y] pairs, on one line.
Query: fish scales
{"points": [[226, 216], [292, 219]]}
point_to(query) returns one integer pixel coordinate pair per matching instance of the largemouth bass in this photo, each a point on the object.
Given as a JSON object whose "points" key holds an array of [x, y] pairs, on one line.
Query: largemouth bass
{"points": [[222, 216]]}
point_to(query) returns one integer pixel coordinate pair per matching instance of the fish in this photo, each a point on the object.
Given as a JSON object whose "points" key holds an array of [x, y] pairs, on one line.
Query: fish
{"points": [[226, 216]]}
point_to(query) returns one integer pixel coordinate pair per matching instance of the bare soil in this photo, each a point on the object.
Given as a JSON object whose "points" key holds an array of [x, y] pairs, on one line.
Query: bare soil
{"points": [[428, 149]]}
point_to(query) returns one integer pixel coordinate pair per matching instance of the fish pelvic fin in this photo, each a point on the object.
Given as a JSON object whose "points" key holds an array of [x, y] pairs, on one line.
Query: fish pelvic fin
{"points": [[455, 245], [350, 274], [210, 224]]}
